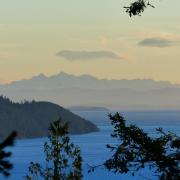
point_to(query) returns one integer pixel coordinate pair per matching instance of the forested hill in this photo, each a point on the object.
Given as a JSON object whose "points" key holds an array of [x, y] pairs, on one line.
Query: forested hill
{"points": [[31, 119]]}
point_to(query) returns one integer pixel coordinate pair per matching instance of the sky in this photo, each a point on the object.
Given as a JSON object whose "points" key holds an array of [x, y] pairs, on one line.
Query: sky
{"points": [[93, 37]]}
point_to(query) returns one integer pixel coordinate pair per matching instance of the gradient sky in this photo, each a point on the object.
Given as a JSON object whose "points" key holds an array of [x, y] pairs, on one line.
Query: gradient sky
{"points": [[33, 32]]}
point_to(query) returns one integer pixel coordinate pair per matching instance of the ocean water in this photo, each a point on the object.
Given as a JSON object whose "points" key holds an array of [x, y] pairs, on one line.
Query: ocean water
{"points": [[93, 145]]}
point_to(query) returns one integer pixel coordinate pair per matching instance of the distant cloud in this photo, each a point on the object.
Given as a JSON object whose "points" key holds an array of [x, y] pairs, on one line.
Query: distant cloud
{"points": [[87, 55], [156, 42]]}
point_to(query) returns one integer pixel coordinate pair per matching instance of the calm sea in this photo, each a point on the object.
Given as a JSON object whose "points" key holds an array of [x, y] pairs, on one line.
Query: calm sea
{"points": [[93, 145]]}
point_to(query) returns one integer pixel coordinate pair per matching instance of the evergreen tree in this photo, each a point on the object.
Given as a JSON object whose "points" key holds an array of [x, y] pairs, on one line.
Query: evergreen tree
{"points": [[63, 157], [5, 165], [137, 150]]}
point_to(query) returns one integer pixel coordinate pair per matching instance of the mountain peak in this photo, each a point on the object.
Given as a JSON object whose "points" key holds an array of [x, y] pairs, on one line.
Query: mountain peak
{"points": [[72, 90], [40, 76], [66, 75], [63, 74]]}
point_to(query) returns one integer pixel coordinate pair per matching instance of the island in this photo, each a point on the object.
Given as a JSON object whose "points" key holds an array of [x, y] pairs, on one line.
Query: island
{"points": [[87, 108]]}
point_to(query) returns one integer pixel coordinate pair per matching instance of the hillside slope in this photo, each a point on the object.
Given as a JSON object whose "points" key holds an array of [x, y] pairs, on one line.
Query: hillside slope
{"points": [[31, 119]]}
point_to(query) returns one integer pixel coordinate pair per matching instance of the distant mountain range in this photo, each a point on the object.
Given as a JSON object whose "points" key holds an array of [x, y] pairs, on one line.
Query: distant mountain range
{"points": [[32, 119], [69, 90]]}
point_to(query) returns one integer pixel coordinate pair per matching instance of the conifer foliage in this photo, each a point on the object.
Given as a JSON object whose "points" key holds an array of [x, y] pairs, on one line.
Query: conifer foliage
{"points": [[63, 159], [138, 7], [136, 150], [5, 165]]}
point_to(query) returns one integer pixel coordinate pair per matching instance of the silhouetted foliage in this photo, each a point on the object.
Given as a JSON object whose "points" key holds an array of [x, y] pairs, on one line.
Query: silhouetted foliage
{"points": [[5, 165], [137, 150], [63, 159], [137, 7]]}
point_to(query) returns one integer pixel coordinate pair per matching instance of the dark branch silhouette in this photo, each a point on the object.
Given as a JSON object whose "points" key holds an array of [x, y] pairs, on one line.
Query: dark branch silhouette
{"points": [[5, 165], [63, 159], [138, 7], [136, 150]]}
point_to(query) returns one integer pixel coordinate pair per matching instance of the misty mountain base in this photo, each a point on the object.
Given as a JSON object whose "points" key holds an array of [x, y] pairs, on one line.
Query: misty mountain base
{"points": [[69, 90]]}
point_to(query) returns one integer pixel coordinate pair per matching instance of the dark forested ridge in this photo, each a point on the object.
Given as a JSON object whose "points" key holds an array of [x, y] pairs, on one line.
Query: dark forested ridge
{"points": [[31, 119]]}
